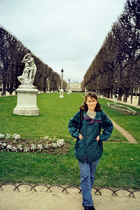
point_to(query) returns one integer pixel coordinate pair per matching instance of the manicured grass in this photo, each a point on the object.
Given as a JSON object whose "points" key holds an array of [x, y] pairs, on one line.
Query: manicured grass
{"points": [[129, 123], [53, 119], [118, 167]]}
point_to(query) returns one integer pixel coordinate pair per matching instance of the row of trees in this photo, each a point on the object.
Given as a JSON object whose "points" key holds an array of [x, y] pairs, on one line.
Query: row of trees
{"points": [[116, 67], [12, 52]]}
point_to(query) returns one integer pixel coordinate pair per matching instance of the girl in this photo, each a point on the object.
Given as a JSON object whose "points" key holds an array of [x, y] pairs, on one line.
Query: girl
{"points": [[86, 127]]}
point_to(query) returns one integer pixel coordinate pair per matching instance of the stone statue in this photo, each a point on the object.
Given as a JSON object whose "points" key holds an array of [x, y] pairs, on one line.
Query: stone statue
{"points": [[29, 72]]}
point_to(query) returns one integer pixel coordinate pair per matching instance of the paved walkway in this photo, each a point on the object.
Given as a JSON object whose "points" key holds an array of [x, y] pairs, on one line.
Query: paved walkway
{"points": [[56, 200], [127, 135]]}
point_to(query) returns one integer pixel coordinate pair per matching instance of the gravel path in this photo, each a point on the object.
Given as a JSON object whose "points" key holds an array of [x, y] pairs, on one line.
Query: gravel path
{"points": [[124, 133], [56, 200]]}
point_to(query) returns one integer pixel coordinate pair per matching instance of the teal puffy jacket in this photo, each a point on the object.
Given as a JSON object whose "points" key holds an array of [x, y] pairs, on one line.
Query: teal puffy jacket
{"points": [[89, 146]]}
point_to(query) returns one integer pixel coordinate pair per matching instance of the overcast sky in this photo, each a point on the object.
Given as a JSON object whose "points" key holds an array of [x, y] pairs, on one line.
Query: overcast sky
{"points": [[62, 33]]}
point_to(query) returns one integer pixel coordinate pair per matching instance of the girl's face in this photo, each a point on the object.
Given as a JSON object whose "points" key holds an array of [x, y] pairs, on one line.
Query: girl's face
{"points": [[91, 103]]}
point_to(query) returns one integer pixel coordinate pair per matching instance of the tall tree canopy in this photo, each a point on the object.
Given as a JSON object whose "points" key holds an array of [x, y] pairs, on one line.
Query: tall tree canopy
{"points": [[116, 65], [12, 52]]}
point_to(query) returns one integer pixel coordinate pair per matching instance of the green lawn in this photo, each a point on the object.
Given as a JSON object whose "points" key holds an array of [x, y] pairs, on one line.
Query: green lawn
{"points": [[129, 123], [118, 167], [53, 119]]}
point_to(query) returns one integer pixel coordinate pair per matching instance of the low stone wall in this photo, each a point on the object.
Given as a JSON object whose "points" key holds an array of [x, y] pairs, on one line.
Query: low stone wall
{"points": [[134, 100]]}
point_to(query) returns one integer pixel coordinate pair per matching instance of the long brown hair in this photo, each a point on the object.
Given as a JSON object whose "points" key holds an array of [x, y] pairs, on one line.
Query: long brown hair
{"points": [[84, 106]]}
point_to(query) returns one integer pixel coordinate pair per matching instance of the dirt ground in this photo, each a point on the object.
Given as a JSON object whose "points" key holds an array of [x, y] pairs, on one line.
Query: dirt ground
{"points": [[58, 200]]}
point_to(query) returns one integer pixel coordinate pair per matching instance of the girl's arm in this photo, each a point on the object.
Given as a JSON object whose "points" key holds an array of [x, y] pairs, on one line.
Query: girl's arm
{"points": [[73, 125], [107, 126]]}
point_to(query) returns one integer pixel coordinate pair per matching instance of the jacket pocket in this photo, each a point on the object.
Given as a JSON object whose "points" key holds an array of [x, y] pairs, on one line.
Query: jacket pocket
{"points": [[94, 152], [80, 150]]}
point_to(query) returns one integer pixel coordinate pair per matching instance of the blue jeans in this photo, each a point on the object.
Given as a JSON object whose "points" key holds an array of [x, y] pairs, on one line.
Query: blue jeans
{"points": [[87, 174]]}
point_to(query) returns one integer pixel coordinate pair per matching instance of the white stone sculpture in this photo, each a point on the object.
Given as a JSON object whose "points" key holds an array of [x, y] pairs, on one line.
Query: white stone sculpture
{"points": [[29, 72], [27, 92]]}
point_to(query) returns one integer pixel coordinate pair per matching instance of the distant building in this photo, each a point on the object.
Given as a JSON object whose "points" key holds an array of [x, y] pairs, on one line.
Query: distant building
{"points": [[75, 86]]}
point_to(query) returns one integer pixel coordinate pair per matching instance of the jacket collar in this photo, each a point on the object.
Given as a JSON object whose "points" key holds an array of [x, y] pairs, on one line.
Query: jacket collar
{"points": [[97, 117]]}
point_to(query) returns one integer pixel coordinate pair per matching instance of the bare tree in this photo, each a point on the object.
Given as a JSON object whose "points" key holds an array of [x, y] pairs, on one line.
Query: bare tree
{"points": [[11, 65]]}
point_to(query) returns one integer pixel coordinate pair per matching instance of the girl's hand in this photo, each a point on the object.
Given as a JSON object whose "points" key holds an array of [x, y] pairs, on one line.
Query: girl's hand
{"points": [[80, 136], [98, 138]]}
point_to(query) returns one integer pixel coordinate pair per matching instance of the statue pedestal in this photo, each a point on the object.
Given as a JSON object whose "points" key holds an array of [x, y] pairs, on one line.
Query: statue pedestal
{"points": [[26, 101], [61, 94]]}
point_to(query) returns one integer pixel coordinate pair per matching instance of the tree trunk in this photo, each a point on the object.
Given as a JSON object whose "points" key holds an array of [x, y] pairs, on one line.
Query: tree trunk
{"points": [[16, 75], [111, 92], [44, 86], [104, 92], [132, 95], [108, 92], [11, 89], [8, 89], [4, 88], [126, 94], [139, 96], [139, 101], [120, 94]]}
